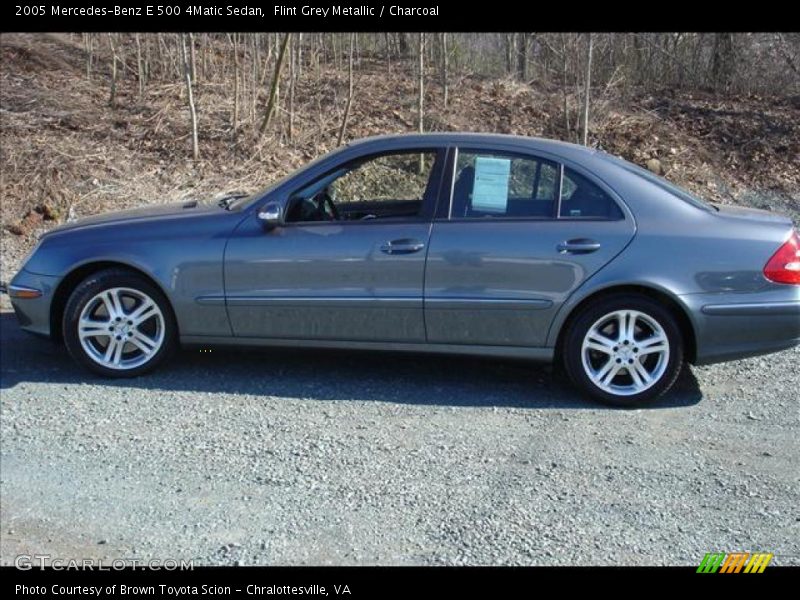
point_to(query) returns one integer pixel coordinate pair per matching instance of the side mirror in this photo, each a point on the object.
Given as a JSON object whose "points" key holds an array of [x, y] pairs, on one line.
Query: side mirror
{"points": [[271, 215]]}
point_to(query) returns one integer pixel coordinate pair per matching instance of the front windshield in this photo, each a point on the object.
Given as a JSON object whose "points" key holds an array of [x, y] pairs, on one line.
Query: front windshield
{"points": [[242, 202]]}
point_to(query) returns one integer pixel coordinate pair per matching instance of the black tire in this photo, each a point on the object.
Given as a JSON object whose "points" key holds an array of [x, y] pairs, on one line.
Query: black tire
{"points": [[572, 349], [88, 290]]}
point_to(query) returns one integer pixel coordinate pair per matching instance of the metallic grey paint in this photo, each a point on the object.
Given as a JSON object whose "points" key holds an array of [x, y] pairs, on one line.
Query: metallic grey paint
{"points": [[499, 287]]}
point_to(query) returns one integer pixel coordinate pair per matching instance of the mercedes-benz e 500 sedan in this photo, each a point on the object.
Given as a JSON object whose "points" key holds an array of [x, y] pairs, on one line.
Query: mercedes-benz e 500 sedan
{"points": [[456, 243]]}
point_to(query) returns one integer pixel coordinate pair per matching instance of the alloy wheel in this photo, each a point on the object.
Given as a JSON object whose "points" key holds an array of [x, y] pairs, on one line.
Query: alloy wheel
{"points": [[625, 352], [121, 328]]}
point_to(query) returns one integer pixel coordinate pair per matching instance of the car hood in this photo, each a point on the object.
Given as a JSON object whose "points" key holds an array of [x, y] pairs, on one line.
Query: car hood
{"points": [[155, 211]]}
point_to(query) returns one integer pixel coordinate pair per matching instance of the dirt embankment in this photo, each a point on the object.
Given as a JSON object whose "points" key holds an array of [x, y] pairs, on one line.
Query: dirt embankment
{"points": [[66, 153]]}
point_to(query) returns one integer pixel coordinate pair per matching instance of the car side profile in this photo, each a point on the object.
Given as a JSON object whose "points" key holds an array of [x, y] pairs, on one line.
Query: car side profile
{"points": [[456, 243]]}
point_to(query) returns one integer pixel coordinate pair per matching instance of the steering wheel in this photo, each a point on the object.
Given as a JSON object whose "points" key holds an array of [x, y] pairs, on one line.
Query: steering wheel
{"points": [[326, 209]]}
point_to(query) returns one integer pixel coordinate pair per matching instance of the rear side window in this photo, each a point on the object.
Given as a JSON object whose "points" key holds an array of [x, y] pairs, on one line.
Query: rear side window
{"points": [[583, 199], [492, 185]]}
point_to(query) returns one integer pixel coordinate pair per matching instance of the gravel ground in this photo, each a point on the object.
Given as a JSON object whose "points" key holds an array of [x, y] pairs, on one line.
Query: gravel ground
{"points": [[276, 457]]}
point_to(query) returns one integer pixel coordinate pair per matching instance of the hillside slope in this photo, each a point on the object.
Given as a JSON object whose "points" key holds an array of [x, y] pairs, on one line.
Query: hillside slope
{"points": [[66, 153]]}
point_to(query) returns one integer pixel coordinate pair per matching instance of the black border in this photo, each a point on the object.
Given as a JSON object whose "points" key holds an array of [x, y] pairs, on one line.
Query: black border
{"points": [[380, 582], [451, 16]]}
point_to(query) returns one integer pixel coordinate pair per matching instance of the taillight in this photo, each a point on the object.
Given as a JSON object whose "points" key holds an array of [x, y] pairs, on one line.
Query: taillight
{"points": [[784, 266]]}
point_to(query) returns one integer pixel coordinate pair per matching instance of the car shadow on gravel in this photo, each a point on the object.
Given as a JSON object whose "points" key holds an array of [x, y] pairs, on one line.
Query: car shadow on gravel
{"points": [[322, 375]]}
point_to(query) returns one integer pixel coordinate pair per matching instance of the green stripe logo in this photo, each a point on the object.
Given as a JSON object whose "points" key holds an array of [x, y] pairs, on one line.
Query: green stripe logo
{"points": [[711, 562]]}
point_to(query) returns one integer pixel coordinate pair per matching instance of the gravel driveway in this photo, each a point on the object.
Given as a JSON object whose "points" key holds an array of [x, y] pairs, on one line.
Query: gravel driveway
{"points": [[278, 457]]}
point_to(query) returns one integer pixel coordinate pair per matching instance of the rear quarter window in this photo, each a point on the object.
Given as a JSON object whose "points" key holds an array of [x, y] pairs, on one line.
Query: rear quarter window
{"points": [[584, 199]]}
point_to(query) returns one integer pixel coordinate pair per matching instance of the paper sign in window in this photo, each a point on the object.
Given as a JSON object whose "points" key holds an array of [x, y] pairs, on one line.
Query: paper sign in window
{"points": [[490, 190]]}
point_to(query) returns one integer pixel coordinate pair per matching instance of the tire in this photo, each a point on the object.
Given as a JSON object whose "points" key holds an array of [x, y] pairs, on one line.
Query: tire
{"points": [[597, 358], [115, 343]]}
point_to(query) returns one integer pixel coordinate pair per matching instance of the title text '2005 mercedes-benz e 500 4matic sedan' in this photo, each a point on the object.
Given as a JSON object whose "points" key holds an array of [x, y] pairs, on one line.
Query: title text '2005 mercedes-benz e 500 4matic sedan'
{"points": [[457, 243]]}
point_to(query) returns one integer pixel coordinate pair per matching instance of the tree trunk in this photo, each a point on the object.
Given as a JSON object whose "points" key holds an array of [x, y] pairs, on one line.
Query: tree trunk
{"points": [[402, 44], [349, 93], [444, 70], [522, 56], [292, 80], [587, 87], [299, 60], [510, 43], [112, 98], [722, 64], [273, 92], [254, 81], [89, 55], [421, 83], [139, 65], [190, 96], [236, 84], [204, 57], [193, 63], [421, 99], [565, 82]]}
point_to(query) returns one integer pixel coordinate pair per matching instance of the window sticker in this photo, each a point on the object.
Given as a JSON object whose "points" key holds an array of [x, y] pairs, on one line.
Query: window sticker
{"points": [[490, 189]]}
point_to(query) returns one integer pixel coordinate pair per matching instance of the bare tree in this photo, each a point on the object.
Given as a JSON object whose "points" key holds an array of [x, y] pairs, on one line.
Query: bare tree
{"points": [[292, 83], [349, 93], [565, 83], [140, 65], [421, 99], [190, 97], [444, 70], [193, 63], [299, 58], [89, 47], [587, 87], [273, 91], [421, 82], [723, 59], [522, 56], [236, 83], [510, 42], [112, 98]]}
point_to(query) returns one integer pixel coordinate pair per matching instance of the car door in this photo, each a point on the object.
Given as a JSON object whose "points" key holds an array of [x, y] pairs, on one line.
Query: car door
{"points": [[521, 233], [351, 271]]}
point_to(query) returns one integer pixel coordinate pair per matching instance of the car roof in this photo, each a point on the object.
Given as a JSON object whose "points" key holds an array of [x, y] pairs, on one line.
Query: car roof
{"points": [[565, 149]]}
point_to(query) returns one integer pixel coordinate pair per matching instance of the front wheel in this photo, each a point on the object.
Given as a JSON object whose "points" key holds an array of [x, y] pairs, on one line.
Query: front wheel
{"points": [[624, 350], [118, 324]]}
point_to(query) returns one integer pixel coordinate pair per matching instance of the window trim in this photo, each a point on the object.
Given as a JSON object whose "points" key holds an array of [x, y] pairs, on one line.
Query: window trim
{"points": [[453, 163], [541, 157], [427, 212], [489, 151]]}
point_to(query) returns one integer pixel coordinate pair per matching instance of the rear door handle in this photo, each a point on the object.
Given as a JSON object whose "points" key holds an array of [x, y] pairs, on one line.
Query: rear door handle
{"points": [[404, 246], [578, 246]]}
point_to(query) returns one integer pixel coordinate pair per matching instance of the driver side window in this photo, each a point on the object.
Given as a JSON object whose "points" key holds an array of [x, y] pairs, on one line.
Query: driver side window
{"points": [[379, 187]]}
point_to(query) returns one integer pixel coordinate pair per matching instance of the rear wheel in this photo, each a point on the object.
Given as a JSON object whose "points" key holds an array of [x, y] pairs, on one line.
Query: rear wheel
{"points": [[118, 324], [624, 350]]}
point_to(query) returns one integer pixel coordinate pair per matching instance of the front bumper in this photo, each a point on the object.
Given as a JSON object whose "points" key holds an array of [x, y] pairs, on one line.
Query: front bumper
{"points": [[33, 314], [734, 326]]}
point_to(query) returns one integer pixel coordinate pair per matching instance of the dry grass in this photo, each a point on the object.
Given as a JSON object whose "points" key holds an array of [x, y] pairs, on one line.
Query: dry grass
{"points": [[66, 153]]}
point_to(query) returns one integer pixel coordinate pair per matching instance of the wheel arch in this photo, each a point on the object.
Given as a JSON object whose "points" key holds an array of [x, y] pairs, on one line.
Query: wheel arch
{"points": [[74, 277], [671, 302]]}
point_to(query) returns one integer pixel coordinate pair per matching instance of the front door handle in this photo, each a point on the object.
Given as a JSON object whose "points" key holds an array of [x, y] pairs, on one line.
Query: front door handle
{"points": [[404, 246], [578, 246]]}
